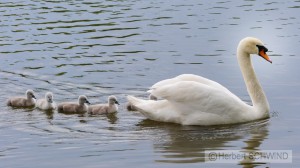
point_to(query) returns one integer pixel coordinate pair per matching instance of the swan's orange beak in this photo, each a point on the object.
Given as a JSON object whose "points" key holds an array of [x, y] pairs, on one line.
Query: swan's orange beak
{"points": [[263, 54]]}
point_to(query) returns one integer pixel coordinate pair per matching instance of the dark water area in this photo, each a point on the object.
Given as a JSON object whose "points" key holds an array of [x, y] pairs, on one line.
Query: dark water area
{"points": [[102, 48]]}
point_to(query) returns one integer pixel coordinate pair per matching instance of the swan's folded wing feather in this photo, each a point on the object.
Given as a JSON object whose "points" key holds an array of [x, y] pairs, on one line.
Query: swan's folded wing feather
{"points": [[163, 83], [190, 95], [200, 79], [188, 77], [183, 77], [182, 91]]}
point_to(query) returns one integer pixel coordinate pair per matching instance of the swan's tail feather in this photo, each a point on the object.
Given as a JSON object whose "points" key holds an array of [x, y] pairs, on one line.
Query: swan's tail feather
{"points": [[137, 103], [151, 109], [133, 102], [131, 107]]}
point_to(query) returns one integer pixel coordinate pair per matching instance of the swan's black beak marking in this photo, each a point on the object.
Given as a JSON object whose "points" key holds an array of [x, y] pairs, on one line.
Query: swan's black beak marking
{"points": [[262, 52]]}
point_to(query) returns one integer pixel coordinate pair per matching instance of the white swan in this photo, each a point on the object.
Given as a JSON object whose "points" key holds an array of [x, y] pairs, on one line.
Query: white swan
{"points": [[47, 103], [194, 100]]}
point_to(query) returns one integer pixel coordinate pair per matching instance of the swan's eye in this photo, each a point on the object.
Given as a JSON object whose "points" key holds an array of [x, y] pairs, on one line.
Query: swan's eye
{"points": [[262, 48], [32, 95]]}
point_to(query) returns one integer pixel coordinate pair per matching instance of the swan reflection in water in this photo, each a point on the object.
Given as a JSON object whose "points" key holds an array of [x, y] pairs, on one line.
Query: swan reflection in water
{"points": [[187, 144]]}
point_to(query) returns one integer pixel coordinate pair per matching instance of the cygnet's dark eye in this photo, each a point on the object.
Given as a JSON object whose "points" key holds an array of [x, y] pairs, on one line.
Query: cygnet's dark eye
{"points": [[262, 48]]}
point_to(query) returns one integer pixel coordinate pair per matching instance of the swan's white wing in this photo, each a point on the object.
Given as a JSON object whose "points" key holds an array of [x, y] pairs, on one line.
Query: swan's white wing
{"points": [[190, 96], [183, 77], [164, 82], [193, 100], [189, 77]]}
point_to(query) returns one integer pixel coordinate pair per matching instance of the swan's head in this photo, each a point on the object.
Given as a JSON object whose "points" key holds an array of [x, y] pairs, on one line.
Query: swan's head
{"points": [[83, 99], [30, 94], [252, 45], [49, 97], [112, 100]]}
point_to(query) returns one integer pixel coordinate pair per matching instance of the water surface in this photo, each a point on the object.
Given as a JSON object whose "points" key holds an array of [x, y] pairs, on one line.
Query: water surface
{"points": [[119, 48]]}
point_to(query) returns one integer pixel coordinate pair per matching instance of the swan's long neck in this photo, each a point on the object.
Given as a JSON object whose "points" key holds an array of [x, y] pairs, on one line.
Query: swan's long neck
{"points": [[259, 100]]}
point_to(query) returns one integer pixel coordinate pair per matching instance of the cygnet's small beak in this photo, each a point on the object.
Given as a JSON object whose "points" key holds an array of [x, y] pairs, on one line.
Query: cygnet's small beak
{"points": [[33, 96], [87, 102], [117, 102], [263, 54]]}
